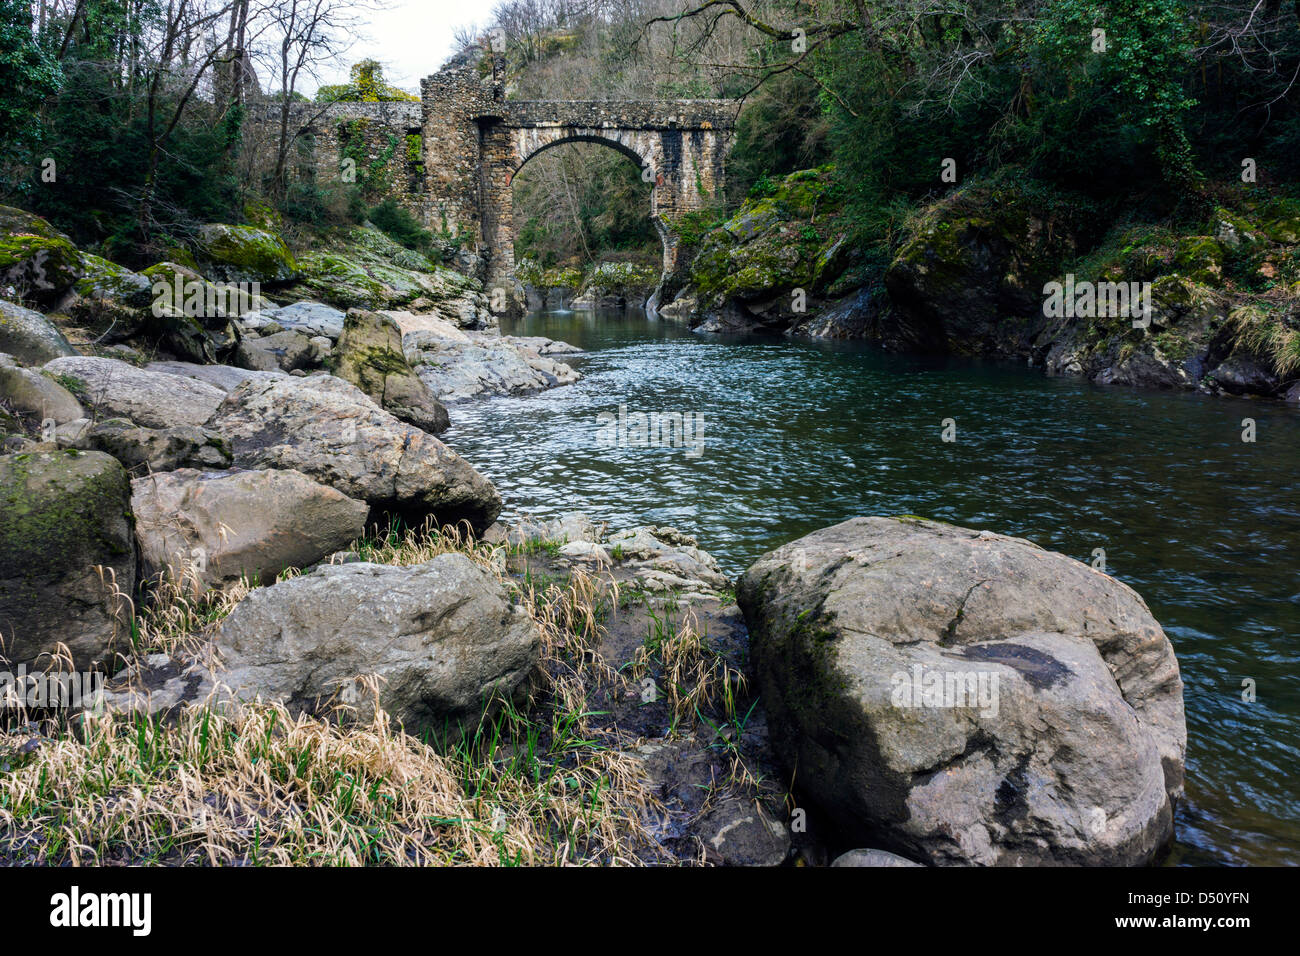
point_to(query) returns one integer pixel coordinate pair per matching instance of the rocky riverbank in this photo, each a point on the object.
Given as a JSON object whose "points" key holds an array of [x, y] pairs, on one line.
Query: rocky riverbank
{"points": [[1211, 305], [242, 526]]}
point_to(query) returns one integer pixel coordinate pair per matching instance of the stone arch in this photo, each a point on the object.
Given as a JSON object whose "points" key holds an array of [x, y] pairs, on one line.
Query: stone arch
{"points": [[476, 139], [643, 148]]}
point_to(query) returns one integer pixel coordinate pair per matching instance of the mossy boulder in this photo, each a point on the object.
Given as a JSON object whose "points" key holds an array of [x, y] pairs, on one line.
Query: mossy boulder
{"points": [[36, 260], [1280, 220], [109, 301], [30, 337], [65, 545], [370, 356], [192, 318], [244, 254], [977, 257], [339, 281], [1201, 259], [768, 264], [363, 268]]}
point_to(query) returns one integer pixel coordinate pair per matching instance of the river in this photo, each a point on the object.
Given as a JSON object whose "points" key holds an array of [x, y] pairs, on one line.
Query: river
{"points": [[797, 436]]}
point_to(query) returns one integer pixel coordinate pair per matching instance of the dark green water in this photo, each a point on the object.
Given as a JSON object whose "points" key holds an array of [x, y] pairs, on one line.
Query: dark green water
{"points": [[799, 436]]}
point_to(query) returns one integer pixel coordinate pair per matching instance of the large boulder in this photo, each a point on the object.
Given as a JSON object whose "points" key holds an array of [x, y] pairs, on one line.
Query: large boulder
{"points": [[36, 259], [30, 337], [370, 356], [770, 261], [110, 302], [483, 365], [221, 526], [146, 450], [192, 318], [961, 697], [329, 430], [151, 399], [443, 637], [38, 396], [65, 541], [244, 254], [975, 257]]}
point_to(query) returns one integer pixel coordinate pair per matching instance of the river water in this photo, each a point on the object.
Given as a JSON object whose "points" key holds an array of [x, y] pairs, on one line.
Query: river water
{"points": [[797, 436]]}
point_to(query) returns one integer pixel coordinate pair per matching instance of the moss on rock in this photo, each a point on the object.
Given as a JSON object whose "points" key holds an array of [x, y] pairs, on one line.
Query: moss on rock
{"points": [[62, 514]]}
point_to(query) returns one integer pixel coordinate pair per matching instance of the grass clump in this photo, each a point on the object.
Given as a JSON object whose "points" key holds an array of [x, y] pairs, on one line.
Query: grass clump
{"points": [[537, 783]]}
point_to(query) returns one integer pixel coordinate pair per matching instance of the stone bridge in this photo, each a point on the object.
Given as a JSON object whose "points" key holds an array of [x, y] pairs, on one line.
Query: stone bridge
{"points": [[463, 144], [476, 141]]}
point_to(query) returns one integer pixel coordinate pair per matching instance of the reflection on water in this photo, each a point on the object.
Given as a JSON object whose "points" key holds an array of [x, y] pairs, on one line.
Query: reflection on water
{"points": [[798, 436]]}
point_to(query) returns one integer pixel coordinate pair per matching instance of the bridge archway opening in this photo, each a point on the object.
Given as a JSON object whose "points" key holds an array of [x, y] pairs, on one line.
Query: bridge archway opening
{"points": [[577, 197]]}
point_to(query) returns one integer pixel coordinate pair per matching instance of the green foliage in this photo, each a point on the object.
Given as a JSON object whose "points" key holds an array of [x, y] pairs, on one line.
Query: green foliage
{"points": [[582, 202], [781, 129], [401, 226], [365, 85], [1138, 75], [29, 72]]}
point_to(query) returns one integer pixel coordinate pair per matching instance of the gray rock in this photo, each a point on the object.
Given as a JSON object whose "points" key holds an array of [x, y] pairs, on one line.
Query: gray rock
{"points": [[872, 858], [309, 318], [573, 526], [38, 396], [286, 351], [330, 431], [146, 450], [443, 636], [225, 377], [65, 539], [370, 357], [219, 527], [666, 559], [29, 336], [741, 833], [487, 365], [968, 698], [151, 399]]}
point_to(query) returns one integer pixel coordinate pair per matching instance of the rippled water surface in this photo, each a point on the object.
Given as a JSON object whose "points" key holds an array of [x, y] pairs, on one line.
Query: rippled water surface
{"points": [[798, 436]]}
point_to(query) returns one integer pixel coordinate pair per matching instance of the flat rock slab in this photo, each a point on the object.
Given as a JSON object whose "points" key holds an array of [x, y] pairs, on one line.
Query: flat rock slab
{"points": [[148, 398]]}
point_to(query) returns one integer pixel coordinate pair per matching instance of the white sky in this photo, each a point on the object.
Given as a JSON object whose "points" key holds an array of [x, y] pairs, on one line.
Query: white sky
{"points": [[411, 38]]}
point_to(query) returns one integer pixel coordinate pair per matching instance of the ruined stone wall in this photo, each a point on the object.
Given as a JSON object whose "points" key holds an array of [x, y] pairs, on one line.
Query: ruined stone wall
{"points": [[385, 141]]}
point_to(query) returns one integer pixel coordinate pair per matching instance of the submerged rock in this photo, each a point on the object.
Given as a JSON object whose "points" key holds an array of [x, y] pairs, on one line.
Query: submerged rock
{"points": [[968, 698]]}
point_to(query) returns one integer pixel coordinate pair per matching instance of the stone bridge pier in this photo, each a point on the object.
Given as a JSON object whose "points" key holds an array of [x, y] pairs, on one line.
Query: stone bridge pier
{"points": [[475, 141]]}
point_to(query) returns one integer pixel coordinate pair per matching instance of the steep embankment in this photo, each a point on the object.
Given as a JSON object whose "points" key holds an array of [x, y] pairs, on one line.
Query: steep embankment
{"points": [[1009, 269]]}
